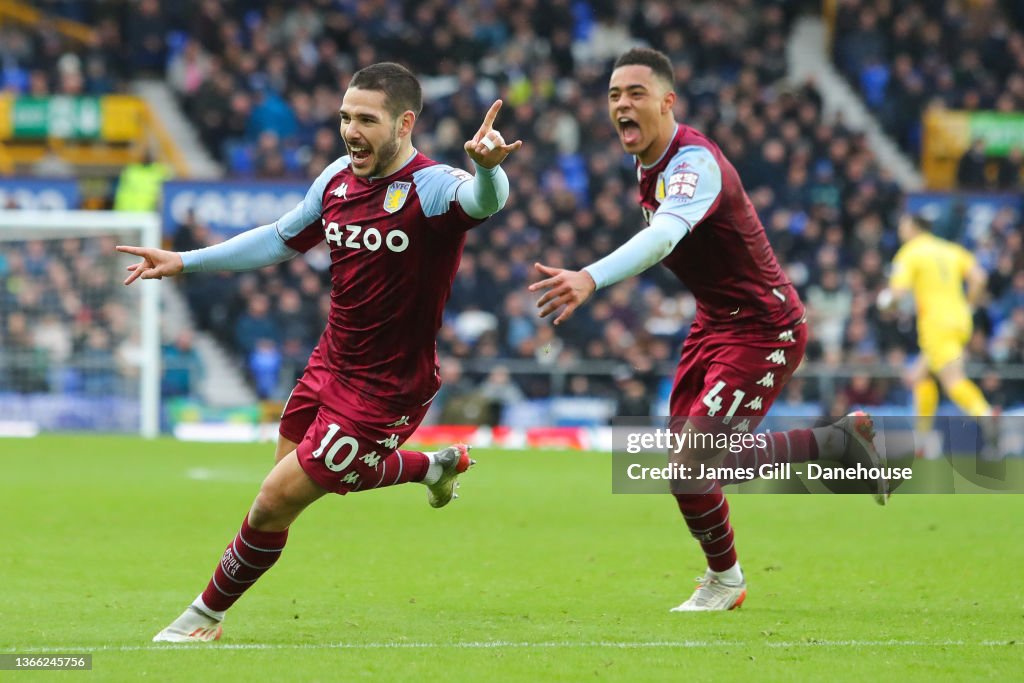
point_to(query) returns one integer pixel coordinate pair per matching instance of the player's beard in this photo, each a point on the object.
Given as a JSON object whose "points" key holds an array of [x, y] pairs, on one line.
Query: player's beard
{"points": [[386, 154]]}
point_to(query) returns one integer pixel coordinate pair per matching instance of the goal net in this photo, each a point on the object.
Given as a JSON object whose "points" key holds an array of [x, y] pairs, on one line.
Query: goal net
{"points": [[79, 351]]}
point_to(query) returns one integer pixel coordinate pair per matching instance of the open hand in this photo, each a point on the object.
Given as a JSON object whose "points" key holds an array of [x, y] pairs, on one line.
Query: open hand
{"points": [[569, 288]]}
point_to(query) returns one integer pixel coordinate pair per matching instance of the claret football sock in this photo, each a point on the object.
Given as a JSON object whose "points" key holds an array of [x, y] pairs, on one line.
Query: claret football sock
{"points": [[247, 558], [707, 516], [401, 467], [796, 445]]}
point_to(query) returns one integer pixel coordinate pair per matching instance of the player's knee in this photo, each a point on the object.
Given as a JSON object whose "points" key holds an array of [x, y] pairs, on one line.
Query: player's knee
{"points": [[692, 456], [950, 377], [272, 503], [690, 462]]}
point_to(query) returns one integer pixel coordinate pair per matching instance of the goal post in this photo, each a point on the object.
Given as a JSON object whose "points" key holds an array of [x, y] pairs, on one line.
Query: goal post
{"points": [[73, 339]]}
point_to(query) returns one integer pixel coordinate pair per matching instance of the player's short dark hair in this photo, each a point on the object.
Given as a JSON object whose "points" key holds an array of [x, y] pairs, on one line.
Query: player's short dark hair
{"points": [[657, 61], [401, 89]]}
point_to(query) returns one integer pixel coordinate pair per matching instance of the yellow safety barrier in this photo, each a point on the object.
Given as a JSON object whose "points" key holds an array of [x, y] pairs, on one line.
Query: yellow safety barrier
{"points": [[119, 131], [945, 138], [24, 13]]}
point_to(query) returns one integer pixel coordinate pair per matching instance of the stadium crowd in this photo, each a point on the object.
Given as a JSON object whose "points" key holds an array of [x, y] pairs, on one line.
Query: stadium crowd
{"points": [[67, 326], [908, 55], [262, 83]]}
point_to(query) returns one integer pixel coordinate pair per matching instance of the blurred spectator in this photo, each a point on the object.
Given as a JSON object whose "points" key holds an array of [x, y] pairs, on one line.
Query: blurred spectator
{"points": [[1008, 177], [955, 55], [98, 365], [140, 184], [862, 391], [458, 402], [188, 69], [499, 390], [970, 172], [265, 367], [182, 367], [255, 324], [633, 400], [829, 308]]}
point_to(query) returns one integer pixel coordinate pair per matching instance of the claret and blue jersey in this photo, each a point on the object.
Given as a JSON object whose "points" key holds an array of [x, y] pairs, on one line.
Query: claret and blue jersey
{"points": [[395, 247], [725, 260]]}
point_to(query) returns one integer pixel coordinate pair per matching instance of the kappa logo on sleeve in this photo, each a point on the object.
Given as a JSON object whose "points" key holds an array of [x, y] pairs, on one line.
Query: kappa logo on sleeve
{"points": [[682, 184]]}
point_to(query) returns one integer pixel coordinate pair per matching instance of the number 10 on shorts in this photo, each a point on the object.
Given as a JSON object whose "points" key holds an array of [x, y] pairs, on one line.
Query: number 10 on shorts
{"points": [[343, 442]]}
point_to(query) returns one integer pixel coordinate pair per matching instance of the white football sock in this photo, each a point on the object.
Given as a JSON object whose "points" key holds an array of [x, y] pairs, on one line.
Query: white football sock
{"points": [[733, 576], [434, 470], [212, 613]]}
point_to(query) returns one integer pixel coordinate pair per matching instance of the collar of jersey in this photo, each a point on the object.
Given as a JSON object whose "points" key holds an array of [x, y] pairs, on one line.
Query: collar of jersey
{"points": [[373, 179], [667, 148]]}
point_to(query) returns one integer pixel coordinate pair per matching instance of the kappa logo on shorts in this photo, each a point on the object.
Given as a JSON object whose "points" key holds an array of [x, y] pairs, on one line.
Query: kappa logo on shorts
{"points": [[778, 356], [754, 403], [768, 380], [742, 426], [396, 196], [371, 459], [787, 336]]}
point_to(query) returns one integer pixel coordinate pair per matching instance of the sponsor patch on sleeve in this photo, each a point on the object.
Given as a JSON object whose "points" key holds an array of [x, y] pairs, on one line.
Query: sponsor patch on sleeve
{"points": [[682, 184], [460, 174]]}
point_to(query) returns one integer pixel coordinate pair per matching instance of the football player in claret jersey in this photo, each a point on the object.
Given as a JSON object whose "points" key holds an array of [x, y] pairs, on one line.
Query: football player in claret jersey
{"points": [[395, 223], [935, 271], [749, 333]]}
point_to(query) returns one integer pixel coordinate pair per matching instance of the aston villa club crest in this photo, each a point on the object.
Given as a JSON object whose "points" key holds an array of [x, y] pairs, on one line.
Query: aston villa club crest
{"points": [[396, 196]]}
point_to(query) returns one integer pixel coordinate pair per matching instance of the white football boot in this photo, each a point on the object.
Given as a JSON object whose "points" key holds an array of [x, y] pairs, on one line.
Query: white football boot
{"points": [[713, 596], [192, 626], [453, 460]]}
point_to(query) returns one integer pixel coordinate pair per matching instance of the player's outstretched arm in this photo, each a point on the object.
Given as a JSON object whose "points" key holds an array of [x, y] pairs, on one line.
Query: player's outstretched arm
{"points": [[569, 288], [687, 203], [256, 248]]}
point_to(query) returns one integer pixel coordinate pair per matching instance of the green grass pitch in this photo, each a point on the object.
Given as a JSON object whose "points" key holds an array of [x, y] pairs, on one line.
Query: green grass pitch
{"points": [[536, 573]]}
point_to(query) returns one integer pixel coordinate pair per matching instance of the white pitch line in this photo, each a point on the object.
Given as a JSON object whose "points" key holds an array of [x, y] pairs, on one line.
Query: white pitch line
{"points": [[497, 644]]}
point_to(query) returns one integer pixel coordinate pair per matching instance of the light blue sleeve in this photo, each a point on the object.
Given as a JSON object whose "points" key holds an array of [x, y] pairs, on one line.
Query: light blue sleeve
{"points": [[308, 210], [267, 244], [643, 250], [479, 196], [692, 181], [250, 250]]}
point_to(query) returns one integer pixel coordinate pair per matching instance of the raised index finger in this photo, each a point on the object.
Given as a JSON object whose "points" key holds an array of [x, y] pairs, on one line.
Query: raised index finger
{"points": [[137, 251], [491, 114]]}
